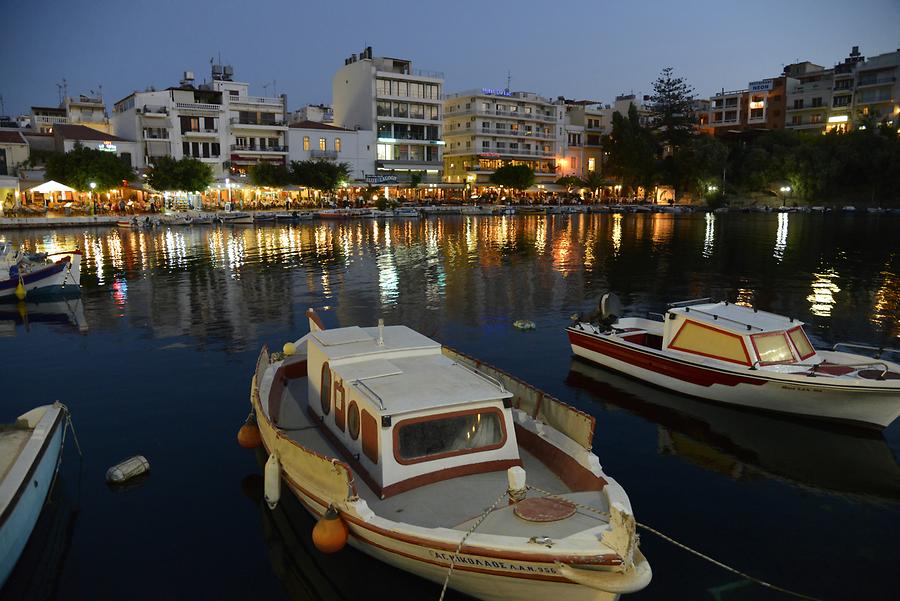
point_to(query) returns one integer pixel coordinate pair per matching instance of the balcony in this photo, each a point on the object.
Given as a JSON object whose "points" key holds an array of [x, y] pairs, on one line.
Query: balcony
{"points": [[264, 100], [875, 81], [323, 154], [237, 122], [153, 111], [487, 131], [505, 114], [199, 106], [263, 149], [204, 133], [50, 120], [515, 152], [163, 136]]}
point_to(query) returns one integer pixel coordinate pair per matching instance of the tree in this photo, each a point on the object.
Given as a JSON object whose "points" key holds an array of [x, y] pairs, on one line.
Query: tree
{"points": [[517, 177], [82, 166], [632, 151], [672, 109], [324, 176], [187, 174], [594, 181], [415, 178], [568, 182], [270, 175]]}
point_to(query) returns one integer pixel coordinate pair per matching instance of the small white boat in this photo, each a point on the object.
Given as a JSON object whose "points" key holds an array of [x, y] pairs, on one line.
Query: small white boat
{"points": [[335, 214], [376, 214], [477, 210], [56, 272], [419, 452], [738, 355], [406, 212], [29, 455], [236, 218]]}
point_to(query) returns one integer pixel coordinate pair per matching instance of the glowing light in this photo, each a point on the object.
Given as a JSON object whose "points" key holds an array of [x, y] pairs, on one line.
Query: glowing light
{"points": [[823, 291], [781, 237], [838, 119], [710, 238], [617, 233]]}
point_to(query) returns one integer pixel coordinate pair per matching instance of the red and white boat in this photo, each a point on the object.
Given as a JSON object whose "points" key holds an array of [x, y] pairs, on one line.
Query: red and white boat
{"points": [[433, 460], [38, 272], [742, 356]]}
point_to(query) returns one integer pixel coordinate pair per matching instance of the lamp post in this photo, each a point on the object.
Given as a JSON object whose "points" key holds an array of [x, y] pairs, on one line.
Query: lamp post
{"points": [[93, 185], [785, 190], [228, 191]]}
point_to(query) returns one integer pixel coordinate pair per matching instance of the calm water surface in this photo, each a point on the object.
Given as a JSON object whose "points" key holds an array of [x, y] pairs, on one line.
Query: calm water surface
{"points": [[156, 358]]}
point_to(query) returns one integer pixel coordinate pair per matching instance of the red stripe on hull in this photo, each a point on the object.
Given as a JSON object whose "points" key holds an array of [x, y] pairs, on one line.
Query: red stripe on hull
{"points": [[660, 365]]}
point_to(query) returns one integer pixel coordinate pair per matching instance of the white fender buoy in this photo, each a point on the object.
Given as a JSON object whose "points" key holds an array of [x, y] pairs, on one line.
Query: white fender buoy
{"points": [[127, 469], [272, 485], [523, 324]]}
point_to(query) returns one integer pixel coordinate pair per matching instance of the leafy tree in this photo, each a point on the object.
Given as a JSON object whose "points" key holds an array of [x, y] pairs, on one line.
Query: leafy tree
{"points": [[517, 177], [325, 176], [594, 181], [569, 182], [271, 175], [632, 151], [188, 174], [81, 166], [415, 178]]}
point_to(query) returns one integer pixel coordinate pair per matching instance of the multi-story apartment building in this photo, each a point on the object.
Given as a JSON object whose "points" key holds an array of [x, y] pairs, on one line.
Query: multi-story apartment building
{"points": [[218, 123], [877, 92], [486, 129], [758, 107], [400, 104], [89, 111], [320, 113], [311, 140]]}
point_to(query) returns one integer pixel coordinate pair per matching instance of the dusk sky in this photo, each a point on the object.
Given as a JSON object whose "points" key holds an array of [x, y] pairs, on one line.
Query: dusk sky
{"points": [[578, 49]]}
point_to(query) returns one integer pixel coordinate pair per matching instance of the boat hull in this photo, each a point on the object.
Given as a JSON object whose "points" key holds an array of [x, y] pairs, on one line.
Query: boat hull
{"points": [[22, 513], [861, 404], [64, 273]]}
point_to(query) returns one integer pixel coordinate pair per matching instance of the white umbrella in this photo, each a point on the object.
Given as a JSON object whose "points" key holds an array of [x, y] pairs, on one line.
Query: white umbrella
{"points": [[50, 187]]}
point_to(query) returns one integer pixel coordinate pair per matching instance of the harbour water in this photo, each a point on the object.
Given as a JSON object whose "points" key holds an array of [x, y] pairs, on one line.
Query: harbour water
{"points": [[156, 357]]}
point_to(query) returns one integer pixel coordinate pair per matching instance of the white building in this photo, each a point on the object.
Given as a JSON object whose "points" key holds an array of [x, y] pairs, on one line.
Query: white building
{"points": [[321, 113], [218, 123], [488, 128], [311, 140], [401, 104], [67, 137], [877, 91], [89, 111]]}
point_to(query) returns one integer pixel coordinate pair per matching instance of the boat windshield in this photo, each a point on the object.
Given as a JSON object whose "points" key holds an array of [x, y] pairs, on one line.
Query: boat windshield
{"points": [[772, 347], [423, 439], [801, 342]]}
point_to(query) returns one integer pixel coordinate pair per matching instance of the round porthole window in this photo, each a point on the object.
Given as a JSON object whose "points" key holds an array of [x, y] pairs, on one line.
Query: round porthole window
{"points": [[353, 420]]}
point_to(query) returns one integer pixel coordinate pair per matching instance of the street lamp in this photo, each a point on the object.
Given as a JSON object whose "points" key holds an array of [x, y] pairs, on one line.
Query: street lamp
{"points": [[228, 188], [785, 190], [91, 195]]}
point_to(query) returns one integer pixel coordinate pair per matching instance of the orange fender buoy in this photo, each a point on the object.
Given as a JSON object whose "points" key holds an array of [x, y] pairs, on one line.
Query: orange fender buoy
{"points": [[248, 436], [330, 532]]}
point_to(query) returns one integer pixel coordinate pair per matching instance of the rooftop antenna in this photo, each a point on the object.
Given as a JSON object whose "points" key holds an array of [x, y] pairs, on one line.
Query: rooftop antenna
{"points": [[508, 79], [2, 106]]}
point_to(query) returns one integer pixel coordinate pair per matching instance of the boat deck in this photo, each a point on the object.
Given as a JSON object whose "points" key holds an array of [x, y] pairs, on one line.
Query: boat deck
{"points": [[449, 503], [12, 441]]}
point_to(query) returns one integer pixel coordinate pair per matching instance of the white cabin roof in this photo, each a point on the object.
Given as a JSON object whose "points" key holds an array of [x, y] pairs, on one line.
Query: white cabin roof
{"points": [[736, 318], [403, 382]]}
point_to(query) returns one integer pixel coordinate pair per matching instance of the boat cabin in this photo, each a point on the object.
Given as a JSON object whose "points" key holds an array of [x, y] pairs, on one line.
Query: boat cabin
{"points": [[726, 332], [405, 414]]}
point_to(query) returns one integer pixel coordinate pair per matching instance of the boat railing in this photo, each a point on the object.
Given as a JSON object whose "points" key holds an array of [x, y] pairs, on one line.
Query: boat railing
{"points": [[483, 376], [717, 317], [371, 393], [654, 314], [687, 303], [814, 367], [879, 350]]}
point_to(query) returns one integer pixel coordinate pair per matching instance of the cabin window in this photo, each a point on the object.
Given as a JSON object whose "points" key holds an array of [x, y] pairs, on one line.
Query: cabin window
{"points": [[369, 436], [353, 420], [448, 434], [701, 339], [325, 392], [772, 347], [801, 343]]}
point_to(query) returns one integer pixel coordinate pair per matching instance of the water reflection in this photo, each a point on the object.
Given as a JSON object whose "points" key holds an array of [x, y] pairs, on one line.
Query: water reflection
{"points": [[823, 291], [67, 314], [781, 236], [886, 312], [745, 445], [617, 233], [709, 239]]}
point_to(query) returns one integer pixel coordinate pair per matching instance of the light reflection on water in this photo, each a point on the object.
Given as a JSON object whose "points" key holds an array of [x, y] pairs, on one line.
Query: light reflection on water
{"points": [[781, 236], [823, 291]]}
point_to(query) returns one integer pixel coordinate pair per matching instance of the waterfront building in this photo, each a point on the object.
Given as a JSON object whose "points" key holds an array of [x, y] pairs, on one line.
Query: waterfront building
{"points": [[877, 93], [321, 113], [311, 140], [13, 152], [759, 107], [66, 137], [89, 111], [218, 123], [488, 128], [402, 105]]}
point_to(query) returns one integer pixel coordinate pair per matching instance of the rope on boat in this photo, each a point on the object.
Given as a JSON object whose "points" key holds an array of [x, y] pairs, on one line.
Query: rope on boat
{"points": [[62, 445], [715, 562], [477, 523]]}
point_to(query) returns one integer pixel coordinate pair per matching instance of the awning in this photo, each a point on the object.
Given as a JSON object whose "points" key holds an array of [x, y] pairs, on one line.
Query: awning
{"points": [[50, 187]]}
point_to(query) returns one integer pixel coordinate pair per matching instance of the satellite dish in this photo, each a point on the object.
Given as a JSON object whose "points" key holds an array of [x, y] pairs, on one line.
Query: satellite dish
{"points": [[610, 305]]}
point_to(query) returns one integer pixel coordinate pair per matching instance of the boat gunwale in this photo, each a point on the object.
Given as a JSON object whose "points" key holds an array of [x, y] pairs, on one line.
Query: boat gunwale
{"points": [[36, 461]]}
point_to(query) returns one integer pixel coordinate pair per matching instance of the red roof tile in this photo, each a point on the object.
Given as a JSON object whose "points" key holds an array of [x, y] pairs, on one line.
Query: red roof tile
{"points": [[83, 132], [11, 137]]}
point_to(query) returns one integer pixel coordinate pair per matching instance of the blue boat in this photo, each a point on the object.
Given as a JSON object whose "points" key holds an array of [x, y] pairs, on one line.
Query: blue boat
{"points": [[29, 455]]}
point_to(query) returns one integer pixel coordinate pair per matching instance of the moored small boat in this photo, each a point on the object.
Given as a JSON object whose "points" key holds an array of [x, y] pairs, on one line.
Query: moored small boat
{"points": [[406, 443], [742, 356], [335, 214], [29, 454], [23, 273]]}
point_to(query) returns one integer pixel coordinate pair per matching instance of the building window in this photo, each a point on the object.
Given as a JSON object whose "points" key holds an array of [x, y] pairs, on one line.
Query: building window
{"points": [[816, 102], [306, 143], [214, 149], [323, 145], [337, 144], [798, 103], [592, 164]]}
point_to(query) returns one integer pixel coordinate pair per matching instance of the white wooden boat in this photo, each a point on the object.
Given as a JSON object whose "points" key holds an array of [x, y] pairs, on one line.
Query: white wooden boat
{"points": [[420, 451], [29, 454], [335, 214], [56, 272], [406, 212], [477, 210], [739, 355]]}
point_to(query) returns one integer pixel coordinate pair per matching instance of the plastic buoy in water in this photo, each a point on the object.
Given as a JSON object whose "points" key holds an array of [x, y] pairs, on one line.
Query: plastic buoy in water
{"points": [[523, 324], [272, 481], [128, 469], [289, 349], [248, 436], [20, 290], [330, 532]]}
